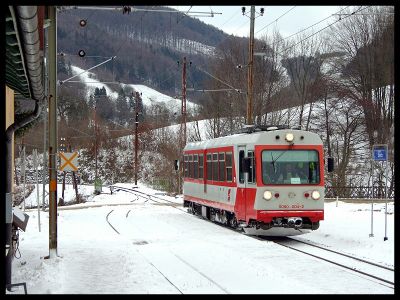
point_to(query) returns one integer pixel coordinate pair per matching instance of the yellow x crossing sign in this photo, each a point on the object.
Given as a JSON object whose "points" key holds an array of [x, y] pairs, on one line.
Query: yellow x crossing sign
{"points": [[69, 161]]}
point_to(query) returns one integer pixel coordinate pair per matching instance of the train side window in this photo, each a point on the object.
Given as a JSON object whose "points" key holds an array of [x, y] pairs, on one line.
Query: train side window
{"points": [[215, 167], [209, 167], [252, 173], [228, 164], [201, 166], [190, 166], [221, 161], [186, 165], [195, 166], [241, 173]]}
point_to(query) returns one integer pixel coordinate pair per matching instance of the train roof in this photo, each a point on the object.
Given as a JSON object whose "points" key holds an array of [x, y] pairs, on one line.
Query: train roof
{"points": [[261, 137]]}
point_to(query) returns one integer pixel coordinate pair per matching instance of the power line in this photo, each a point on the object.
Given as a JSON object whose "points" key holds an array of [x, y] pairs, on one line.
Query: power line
{"points": [[137, 20], [104, 82], [67, 54], [360, 9], [312, 25], [218, 90], [111, 58], [223, 82], [248, 20], [229, 19], [276, 19], [183, 15]]}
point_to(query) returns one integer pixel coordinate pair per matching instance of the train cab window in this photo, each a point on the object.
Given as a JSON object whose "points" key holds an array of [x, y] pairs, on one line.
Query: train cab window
{"points": [[228, 165], [209, 167], [290, 167], [190, 166], [252, 173], [201, 162], [195, 166], [186, 165], [221, 161], [215, 167], [241, 173]]}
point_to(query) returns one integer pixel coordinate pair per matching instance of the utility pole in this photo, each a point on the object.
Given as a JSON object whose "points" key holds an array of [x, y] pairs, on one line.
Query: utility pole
{"points": [[23, 169], [52, 13], [184, 102], [249, 116], [95, 136], [137, 99], [182, 138], [46, 84], [44, 154]]}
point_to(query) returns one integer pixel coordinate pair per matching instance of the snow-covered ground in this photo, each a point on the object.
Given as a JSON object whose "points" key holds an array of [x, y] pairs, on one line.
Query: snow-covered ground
{"points": [[149, 95], [164, 250]]}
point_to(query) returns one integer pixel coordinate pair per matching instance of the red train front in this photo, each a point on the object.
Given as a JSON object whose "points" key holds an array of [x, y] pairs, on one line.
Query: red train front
{"points": [[269, 181]]}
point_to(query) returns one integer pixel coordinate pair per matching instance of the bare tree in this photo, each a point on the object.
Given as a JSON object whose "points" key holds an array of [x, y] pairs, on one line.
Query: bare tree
{"points": [[270, 79], [303, 63], [368, 67]]}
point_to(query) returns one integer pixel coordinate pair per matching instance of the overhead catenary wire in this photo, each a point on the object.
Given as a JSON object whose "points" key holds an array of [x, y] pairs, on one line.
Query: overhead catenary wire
{"points": [[111, 58], [215, 90], [184, 14], [312, 25], [104, 82], [223, 82], [247, 20], [280, 40], [284, 50], [276, 19], [231, 17], [86, 56]]}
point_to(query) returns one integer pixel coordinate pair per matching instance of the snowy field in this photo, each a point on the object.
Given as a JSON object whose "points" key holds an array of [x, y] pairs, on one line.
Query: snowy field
{"points": [[160, 249], [149, 95]]}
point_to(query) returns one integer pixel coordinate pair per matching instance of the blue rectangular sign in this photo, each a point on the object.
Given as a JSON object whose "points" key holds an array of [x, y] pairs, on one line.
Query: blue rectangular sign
{"points": [[380, 153]]}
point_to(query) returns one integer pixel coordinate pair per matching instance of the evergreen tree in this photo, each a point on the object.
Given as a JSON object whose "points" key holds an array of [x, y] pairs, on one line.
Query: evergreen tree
{"points": [[122, 106]]}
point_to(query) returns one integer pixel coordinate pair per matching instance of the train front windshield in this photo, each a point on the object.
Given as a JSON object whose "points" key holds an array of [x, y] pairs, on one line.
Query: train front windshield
{"points": [[290, 167]]}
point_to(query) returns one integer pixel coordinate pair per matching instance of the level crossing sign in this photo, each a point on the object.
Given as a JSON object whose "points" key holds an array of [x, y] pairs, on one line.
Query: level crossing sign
{"points": [[69, 161], [379, 152]]}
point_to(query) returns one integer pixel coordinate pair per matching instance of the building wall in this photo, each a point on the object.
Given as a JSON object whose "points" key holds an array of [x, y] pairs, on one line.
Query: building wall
{"points": [[10, 120]]}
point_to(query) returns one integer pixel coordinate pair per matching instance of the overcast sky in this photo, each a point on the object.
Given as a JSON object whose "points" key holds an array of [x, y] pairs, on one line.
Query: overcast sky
{"points": [[296, 18]]}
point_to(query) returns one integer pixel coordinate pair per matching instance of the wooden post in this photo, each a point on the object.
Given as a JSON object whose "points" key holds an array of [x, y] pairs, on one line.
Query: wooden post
{"points": [[75, 186]]}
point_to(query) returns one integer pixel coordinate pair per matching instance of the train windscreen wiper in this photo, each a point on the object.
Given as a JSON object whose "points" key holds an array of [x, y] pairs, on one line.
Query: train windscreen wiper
{"points": [[274, 160]]}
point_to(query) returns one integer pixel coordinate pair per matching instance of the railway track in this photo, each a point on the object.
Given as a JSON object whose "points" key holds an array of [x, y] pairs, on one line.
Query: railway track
{"points": [[149, 197], [383, 274], [164, 269]]}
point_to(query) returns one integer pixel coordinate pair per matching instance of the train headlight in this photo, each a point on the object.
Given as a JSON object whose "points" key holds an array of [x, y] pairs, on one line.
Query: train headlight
{"points": [[267, 195], [289, 137], [315, 195]]}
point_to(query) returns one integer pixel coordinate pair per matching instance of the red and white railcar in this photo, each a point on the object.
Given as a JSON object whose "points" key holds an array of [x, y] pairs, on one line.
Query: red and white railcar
{"points": [[259, 179]]}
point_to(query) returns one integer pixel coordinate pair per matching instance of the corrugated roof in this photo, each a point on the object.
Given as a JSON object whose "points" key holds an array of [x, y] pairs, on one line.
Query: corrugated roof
{"points": [[16, 74]]}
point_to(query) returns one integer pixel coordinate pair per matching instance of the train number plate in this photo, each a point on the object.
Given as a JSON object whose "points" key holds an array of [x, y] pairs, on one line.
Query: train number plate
{"points": [[291, 206]]}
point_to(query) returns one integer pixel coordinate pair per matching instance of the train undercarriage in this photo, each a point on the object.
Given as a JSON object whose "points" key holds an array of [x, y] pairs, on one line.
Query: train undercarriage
{"points": [[296, 224]]}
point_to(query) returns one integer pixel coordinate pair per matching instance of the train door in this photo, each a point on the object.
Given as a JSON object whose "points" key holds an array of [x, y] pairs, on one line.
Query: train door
{"points": [[241, 183]]}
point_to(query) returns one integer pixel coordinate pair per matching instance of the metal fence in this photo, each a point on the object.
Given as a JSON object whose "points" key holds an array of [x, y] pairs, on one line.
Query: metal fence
{"points": [[367, 192]]}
